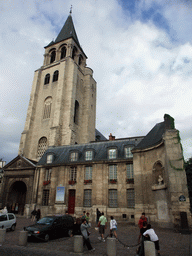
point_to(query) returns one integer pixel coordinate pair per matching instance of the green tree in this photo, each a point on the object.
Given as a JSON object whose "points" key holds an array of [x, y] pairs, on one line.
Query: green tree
{"points": [[188, 169]]}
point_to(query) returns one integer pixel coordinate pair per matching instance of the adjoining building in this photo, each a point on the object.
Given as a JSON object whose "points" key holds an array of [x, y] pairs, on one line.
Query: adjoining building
{"points": [[64, 163]]}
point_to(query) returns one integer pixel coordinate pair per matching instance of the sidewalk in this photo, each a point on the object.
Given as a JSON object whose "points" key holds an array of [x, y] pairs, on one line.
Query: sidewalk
{"points": [[171, 243]]}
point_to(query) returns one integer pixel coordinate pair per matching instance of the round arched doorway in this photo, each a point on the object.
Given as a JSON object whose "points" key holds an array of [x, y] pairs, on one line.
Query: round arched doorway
{"points": [[16, 198]]}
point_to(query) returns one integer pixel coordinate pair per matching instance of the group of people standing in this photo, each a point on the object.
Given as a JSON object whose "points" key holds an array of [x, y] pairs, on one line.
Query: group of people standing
{"points": [[146, 233], [82, 225]]}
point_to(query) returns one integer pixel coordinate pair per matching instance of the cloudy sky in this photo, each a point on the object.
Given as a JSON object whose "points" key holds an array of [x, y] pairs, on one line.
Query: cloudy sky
{"points": [[140, 51]]}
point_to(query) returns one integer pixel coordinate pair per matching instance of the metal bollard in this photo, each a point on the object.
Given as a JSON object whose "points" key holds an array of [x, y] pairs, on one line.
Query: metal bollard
{"points": [[78, 244], [23, 238], [111, 246], [149, 248], [2, 235]]}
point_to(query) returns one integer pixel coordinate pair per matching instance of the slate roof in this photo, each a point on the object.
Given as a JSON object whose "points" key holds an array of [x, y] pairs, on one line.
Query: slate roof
{"points": [[99, 136], [67, 31], [153, 138], [100, 149]]}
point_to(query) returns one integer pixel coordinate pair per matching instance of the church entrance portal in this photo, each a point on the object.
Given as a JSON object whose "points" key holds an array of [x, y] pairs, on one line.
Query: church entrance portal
{"points": [[16, 198]]}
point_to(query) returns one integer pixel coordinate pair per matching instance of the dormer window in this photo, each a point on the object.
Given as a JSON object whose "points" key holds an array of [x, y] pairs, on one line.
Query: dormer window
{"points": [[112, 153], [74, 156], [88, 155], [49, 158], [128, 153]]}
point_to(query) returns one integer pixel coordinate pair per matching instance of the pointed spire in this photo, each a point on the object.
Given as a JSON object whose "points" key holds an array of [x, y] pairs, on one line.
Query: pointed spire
{"points": [[68, 31]]}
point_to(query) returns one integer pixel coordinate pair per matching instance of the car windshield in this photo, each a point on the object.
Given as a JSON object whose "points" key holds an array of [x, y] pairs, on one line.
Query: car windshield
{"points": [[45, 220]]}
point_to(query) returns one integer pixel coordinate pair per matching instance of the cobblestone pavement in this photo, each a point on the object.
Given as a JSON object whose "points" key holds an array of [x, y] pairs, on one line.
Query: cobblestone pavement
{"points": [[171, 243]]}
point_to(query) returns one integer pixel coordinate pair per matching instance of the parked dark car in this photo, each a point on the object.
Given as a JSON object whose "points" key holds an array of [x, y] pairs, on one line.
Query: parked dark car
{"points": [[51, 227]]}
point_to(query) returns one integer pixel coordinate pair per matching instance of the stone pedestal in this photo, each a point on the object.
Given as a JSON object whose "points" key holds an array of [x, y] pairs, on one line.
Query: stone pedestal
{"points": [[2, 235], [23, 238], [78, 244], [111, 246], [149, 248]]}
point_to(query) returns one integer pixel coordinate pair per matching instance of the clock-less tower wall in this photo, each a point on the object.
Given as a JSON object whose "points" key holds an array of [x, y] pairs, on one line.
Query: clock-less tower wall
{"points": [[62, 106]]}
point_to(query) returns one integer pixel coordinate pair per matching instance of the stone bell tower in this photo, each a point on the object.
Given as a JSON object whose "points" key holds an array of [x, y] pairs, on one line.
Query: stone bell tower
{"points": [[62, 106]]}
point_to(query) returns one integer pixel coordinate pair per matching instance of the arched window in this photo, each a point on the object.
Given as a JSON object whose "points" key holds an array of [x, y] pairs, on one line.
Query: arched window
{"points": [[55, 75], [74, 52], [47, 79], [63, 52], [42, 145], [80, 60], [47, 108], [53, 55], [76, 114]]}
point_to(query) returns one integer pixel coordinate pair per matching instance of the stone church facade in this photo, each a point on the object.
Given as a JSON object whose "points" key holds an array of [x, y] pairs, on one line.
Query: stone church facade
{"points": [[64, 163]]}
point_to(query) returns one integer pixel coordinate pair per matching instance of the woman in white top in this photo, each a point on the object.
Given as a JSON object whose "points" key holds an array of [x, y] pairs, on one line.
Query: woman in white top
{"points": [[153, 237], [113, 227]]}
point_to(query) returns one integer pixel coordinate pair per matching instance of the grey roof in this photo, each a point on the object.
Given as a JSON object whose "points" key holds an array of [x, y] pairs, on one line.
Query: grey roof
{"points": [[100, 151], [67, 31], [154, 137], [99, 136]]}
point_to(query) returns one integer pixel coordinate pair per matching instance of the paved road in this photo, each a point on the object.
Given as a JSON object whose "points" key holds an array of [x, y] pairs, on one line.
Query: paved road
{"points": [[171, 243]]}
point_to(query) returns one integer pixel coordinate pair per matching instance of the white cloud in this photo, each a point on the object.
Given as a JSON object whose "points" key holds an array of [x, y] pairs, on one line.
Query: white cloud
{"points": [[141, 72]]}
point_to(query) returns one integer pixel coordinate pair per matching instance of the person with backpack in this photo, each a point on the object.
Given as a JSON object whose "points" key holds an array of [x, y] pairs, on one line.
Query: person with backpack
{"points": [[113, 227]]}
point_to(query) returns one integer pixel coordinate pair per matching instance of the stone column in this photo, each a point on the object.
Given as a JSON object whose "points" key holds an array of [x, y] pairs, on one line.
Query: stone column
{"points": [[111, 246]]}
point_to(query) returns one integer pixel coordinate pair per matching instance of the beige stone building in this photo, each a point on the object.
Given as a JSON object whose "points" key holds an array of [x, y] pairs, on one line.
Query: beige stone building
{"points": [[64, 163]]}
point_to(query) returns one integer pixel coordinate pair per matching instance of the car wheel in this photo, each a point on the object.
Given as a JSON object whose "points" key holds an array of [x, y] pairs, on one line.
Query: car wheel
{"points": [[12, 227], [46, 238]]}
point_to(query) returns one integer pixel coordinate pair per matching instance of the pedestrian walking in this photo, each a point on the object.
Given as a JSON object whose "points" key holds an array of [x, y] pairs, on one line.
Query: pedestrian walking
{"points": [[38, 215], [140, 250], [87, 217], [102, 224], [141, 220], [84, 232], [98, 215], [33, 214], [150, 233], [77, 228], [113, 227]]}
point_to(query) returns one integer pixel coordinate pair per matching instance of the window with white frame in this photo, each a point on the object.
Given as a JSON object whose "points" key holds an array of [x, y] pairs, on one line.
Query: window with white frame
{"points": [[113, 198], [48, 174], [130, 198], [128, 153], [88, 173], [74, 156], [50, 159], [112, 153], [112, 172], [87, 198], [73, 174], [88, 155], [130, 171]]}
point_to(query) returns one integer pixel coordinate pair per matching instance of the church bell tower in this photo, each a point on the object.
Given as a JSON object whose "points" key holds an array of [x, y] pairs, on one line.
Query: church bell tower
{"points": [[62, 106]]}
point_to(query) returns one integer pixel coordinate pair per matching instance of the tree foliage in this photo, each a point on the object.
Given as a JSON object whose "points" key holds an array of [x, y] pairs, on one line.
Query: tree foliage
{"points": [[188, 169]]}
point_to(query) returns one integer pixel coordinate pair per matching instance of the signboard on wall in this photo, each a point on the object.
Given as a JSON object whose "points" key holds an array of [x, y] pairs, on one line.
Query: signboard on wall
{"points": [[60, 194]]}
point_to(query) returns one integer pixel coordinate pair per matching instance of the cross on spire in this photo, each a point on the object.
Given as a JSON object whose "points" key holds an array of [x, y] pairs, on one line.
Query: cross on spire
{"points": [[70, 10]]}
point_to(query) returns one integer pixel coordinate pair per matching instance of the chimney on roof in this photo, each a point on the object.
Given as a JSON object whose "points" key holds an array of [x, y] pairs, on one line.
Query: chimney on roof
{"points": [[111, 137], [169, 122]]}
